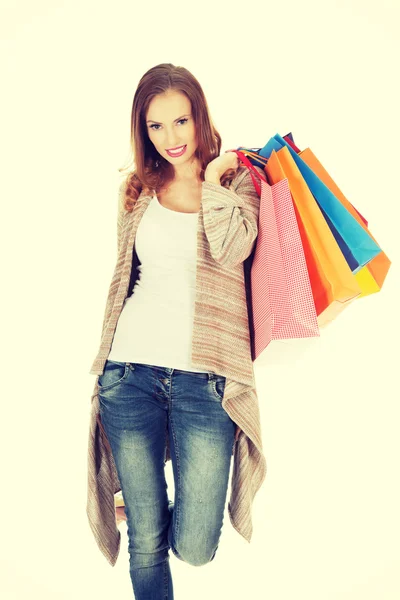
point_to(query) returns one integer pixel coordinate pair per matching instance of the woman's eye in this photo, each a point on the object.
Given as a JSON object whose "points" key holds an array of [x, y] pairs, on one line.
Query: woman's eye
{"points": [[156, 124]]}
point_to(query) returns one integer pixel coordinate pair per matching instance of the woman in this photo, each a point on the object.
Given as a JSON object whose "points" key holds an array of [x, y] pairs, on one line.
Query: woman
{"points": [[174, 372]]}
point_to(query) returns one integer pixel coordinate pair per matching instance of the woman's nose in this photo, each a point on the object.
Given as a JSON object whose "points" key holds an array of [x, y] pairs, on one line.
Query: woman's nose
{"points": [[172, 143]]}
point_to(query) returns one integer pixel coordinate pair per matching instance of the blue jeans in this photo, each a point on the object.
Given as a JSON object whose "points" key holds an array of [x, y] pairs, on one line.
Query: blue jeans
{"points": [[140, 405]]}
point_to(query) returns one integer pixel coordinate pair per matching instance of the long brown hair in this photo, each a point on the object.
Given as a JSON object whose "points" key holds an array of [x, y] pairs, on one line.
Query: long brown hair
{"points": [[152, 171]]}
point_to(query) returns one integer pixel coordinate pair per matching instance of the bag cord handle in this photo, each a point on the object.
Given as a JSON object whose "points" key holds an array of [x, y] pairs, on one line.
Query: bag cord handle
{"points": [[252, 169]]}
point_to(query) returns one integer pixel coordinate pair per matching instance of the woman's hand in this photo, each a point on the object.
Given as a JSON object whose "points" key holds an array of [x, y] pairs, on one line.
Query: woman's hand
{"points": [[228, 160]]}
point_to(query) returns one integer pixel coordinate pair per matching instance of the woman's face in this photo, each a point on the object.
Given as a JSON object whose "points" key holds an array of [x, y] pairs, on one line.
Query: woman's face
{"points": [[170, 124]]}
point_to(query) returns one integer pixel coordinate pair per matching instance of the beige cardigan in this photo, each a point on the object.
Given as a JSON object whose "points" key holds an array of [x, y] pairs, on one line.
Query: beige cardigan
{"points": [[226, 236]]}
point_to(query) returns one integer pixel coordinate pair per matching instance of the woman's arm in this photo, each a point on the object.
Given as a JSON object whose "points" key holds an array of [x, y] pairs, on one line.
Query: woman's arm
{"points": [[231, 217]]}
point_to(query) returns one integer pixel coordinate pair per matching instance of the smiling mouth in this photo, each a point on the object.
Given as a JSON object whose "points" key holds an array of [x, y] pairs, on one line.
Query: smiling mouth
{"points": [[177, 152]]}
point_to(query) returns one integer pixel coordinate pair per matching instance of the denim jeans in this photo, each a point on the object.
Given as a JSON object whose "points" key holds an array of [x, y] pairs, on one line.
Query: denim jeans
{"points": [[140, 405]]}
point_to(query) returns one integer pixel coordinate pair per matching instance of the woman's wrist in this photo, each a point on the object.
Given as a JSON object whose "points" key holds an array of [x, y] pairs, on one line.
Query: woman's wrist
{"points": [[212, 175]]}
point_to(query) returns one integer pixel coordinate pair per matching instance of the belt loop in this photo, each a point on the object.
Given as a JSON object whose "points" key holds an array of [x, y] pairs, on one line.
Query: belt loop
{"points": [[210, 375]]}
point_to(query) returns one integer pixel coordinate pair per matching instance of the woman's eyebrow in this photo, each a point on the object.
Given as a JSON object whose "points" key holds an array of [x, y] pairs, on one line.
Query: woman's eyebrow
{"points": [[150, 121]]}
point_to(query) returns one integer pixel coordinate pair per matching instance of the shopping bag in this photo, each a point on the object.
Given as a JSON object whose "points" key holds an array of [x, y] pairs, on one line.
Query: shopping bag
{"points": [[322, 174], [281, 305], [289, 139], [255, 158], [333, 284], [355, 243], [371, 277]]}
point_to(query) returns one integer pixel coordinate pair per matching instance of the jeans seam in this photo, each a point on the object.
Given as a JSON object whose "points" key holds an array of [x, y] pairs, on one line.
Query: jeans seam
{"points": [[166, 578], [213, 384], [177, 493], [111, 385]]}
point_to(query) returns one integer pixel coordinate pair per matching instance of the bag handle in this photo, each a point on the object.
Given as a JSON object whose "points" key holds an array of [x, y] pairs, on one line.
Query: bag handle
{"points": [[252, 169], [260, 160]]}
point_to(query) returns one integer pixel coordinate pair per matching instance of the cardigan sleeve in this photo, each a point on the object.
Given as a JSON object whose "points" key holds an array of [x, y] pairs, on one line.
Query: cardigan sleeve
{"points": [[231, 218], [121, 210], [112, 288]]}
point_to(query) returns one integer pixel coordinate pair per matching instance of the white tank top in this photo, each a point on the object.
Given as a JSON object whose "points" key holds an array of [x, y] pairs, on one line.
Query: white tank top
{"points": [[156, 321]]}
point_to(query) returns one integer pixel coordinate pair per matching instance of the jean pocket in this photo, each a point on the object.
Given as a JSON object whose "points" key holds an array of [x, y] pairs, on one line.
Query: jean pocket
{"points": [[114, 373], [218, 386]]}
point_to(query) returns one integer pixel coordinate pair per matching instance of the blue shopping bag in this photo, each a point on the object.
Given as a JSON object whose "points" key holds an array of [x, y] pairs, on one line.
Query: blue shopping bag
{"points": [[356, 245]]}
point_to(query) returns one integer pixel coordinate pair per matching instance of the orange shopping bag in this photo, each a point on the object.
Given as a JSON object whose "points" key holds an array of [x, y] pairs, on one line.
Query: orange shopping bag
{"points": [[370, 277], [333, 284]]}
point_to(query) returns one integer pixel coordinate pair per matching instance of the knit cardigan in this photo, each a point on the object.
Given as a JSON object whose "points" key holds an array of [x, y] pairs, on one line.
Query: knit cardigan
{"points": [[226, 236]]}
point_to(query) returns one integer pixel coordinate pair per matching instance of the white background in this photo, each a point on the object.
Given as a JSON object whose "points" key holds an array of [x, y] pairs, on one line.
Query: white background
{"points": [[326, 520]]}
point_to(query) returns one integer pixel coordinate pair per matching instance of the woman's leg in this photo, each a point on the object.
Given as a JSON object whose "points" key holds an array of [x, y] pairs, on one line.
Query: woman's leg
{"points": [[201, 435], [135, 421]]}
